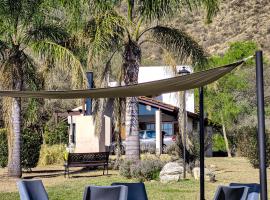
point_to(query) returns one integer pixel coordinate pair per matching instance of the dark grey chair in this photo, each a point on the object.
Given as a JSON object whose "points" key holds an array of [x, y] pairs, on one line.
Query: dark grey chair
{"points": [[231, 193], [32, 190], [253, 189], [119, 192], [136, 191]]}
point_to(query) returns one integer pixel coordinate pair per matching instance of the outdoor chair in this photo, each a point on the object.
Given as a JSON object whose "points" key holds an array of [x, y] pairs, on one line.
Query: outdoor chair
{"points": [[136, 191], [231, 193], [253, 189], [32, 190], [119, 192]]}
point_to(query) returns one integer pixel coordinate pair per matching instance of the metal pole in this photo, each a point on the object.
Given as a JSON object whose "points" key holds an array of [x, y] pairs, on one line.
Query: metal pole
{"points": [[184, 134], [201, 145], [261, 124]]}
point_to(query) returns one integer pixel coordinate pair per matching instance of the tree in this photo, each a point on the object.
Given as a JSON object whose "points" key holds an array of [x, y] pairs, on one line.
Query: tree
{"points": [[123, 27], [31, 42], [229, 97]]}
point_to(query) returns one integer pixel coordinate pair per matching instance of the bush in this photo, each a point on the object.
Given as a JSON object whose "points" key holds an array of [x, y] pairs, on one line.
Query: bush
{"points": [[247, 145], [143, 170], [124, 168], [218, 143], [30, 149], [56, 134], [50, 155], [3, 148]]}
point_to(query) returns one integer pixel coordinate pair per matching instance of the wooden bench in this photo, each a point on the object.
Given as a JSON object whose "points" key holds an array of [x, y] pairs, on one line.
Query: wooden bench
{"points": [[87, 160]]}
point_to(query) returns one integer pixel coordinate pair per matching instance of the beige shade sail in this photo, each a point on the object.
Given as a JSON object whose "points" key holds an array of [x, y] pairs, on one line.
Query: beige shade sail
{"points": [[179, 83]]}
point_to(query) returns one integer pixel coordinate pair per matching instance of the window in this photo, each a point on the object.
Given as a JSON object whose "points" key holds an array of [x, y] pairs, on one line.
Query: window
{"points": [[167, 128], [73, 136], [150, 126]]}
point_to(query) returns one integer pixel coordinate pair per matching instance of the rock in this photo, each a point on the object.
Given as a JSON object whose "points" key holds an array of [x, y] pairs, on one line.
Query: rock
{"points": [[171, 172], [209, 175]]}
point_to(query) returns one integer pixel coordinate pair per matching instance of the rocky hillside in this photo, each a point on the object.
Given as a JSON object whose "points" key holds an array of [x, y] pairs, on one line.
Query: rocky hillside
{"points": [[237, 20]]}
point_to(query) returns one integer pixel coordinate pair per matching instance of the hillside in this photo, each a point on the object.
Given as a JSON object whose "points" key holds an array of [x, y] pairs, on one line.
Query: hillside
{"points": [[237, 20]]}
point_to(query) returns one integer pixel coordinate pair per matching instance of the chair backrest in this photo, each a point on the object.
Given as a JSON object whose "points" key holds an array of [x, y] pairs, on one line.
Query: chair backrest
{"points": [[32, 190], [119, 192], [253, 189], [231, 193], [136, 191]]}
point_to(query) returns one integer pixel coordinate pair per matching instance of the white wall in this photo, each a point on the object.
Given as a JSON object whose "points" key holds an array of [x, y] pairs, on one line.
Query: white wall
{"points": [[86, 139], [153, 73]]}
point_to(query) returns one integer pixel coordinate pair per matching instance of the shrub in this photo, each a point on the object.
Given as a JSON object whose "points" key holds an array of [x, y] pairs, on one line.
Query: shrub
{"points": [[3, 148], [143, 170], [247, 145], [56, 133], [30, 149], [50, 155], [218, 143], [124, 168]]}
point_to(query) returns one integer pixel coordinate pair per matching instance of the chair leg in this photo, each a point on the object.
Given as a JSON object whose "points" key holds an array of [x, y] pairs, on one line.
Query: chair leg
{"points": [[65, 171], [107, 169]]}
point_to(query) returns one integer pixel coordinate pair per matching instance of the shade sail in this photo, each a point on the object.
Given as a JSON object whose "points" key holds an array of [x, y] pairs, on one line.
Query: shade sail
{"points": [[179, 83]]}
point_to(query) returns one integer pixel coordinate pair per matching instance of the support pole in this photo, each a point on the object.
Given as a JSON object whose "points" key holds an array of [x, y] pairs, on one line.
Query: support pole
{"points": [[261, 124], [185, 134], [201, 145], [159, 138]]}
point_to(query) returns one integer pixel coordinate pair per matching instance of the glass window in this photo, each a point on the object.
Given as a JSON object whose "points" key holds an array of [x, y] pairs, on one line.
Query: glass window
{"points": [[150, 126], [73, 137], [167, 128]]}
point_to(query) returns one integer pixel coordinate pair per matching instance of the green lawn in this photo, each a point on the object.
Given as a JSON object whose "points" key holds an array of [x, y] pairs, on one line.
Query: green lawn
{"points": [[227, 170]]}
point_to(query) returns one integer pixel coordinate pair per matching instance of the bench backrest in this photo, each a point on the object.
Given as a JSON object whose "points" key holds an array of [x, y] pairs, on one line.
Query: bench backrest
{"points": [[88, 157]]}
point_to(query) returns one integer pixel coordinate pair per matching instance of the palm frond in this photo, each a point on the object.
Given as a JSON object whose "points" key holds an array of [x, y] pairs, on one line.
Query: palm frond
{"points": [[62, 58], [180, 43], [153, 9], [31, 78], [106, 32], [49, 32], [100, 6]]}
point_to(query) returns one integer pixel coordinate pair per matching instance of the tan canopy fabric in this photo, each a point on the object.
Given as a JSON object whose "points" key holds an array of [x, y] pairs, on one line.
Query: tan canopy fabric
{"points": [[179, 83]]}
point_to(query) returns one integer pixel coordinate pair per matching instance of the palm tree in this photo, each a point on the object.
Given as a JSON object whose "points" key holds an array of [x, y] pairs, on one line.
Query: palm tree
{"points": [[124, 27], [31, 39]]}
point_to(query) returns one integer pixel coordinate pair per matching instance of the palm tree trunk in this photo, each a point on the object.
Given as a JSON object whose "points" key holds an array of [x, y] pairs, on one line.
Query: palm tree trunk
{"points": [[180, 119], [14, 162], [131, 63], [225, 137]]}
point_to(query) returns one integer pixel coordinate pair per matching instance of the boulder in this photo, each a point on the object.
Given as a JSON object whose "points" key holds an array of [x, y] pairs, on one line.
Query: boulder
{"points": [[209, 175], [171, 172]]}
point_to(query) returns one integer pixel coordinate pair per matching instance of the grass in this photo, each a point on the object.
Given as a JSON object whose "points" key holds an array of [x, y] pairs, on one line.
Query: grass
{"points": [[227, 170]]}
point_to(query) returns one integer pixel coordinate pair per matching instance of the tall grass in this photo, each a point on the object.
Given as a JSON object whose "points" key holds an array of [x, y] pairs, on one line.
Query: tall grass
{"points": [[50, 155]]}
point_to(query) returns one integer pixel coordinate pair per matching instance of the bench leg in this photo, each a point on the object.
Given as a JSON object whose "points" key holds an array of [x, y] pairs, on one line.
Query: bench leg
{"points": [[107, 169], [65, 171], [103, 169]]}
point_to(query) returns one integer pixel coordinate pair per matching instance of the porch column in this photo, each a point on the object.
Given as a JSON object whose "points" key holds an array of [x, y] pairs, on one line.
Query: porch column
{"points": [[108, 131], [158, 133]]}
